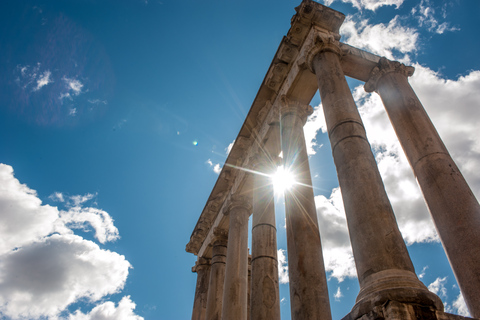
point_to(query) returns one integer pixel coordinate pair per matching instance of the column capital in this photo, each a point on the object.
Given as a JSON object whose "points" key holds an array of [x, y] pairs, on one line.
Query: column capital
{"points": [[241, 201], [201, 264], [322, 42], [295, 107], [220, 236], [383, 67]]}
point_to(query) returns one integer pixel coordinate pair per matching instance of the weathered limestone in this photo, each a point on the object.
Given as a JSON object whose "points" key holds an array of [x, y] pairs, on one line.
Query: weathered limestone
{"points": [[202, 268], [308, 282], [236, 271], [265, 296], [453, 206], [384, 268], [217, 276]]}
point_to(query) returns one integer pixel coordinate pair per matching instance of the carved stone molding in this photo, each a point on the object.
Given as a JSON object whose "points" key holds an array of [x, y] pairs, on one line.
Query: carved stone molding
{"points": [[200, 264], [323, 42], [295, 107], [386, 66], [235, 201]]}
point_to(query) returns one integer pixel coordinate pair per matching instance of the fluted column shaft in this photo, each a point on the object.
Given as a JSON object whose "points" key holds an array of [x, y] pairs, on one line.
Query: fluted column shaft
{"points": [[453, 206], [236, 271], [308, 283], [202, 268], [384, 268], [265, 295], [217, 276]]}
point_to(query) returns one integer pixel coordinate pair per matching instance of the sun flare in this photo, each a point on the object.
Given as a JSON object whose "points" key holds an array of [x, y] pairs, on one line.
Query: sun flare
{"points": [[282, 180]]}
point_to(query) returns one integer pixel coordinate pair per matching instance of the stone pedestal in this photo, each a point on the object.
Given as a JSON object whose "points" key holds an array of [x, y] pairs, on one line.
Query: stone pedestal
{"points": [[265, 301], [308, 283], [217, 276], [384, 268], [236, 271], [202, 268], [453, 206]]}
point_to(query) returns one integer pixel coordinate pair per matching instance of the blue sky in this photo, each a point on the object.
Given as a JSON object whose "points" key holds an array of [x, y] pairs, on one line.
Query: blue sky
{"points": [[116, 115]]}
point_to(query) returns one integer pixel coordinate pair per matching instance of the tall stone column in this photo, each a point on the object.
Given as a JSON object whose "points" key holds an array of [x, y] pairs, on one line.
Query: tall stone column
{"points": [[217, 276], [453, 206], [236, 271], [265, 295], [384, 268], [308, 283], [202, 268]]}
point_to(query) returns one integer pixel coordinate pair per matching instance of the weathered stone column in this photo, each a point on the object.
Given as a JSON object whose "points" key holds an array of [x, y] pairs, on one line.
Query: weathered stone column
{"points": [[236, 271], [308, 282], [384, 268], [249, 287], [217, 276], [453, 206], [265, 296], [202, 268]]}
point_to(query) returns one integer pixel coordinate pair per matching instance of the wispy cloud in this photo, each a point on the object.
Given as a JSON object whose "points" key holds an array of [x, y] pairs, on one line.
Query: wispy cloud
{"points": [[215, 166], [43, 80], [369, 4], [338, 294], [427, 17], [438, 287]]}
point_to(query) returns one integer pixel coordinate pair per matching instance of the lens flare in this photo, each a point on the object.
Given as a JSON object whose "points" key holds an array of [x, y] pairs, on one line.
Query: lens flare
{"points": [[282, 180]]}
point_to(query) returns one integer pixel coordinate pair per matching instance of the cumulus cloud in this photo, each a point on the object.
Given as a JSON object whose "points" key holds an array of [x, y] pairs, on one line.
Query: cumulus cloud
{"points": [[32, 77], [337, 251], [315, 122], [108, 311], [438, 287], [380, 39], [215, 166], [369, 4], [460, 306], [282, 267], [74, 85], [44, 266]]}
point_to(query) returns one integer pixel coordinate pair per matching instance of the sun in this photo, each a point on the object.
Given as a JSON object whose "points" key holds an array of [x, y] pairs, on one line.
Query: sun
{"points": [[282, 180]]}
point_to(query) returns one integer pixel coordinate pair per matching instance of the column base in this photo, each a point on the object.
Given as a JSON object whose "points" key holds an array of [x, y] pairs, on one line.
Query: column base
{"points": [[399, 286], [394, 310]]}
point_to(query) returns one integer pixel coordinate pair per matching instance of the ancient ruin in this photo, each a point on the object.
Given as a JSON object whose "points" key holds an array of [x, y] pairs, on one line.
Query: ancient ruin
{"points": [[231, 285]]}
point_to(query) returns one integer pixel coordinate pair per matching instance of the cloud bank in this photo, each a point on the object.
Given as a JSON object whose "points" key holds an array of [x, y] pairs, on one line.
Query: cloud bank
{"points": [[45, 267]]}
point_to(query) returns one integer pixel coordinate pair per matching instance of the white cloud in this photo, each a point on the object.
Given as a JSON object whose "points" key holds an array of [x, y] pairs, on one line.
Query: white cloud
{"points": [[43, 80], [438, 287], [422, 273], [282, 267], [425, 13], [338, 294], [337, 251], [101, 221], [216, 167], [460, 306], [23, 218], [380, 39], [44, 266], [315, 122], [73, 112], [108, 311], [229, 148], [369, 4], [74, 85]]}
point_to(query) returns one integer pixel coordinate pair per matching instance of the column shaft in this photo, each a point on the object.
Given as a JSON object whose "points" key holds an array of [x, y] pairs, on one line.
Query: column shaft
{"points": [[202, 268], [384, 268], [265, 301], [236, 272], [452, 204], [217, 276], [308, 283]]}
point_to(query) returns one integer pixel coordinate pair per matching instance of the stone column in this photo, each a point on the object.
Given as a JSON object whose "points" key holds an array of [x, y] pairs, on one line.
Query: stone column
{"points": [[384, 268], [265, 296], [453, 206], [308, 283], [217, 275], [202, 268], [249, 287], [236, 272]]}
